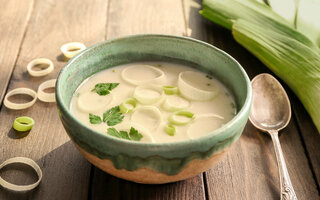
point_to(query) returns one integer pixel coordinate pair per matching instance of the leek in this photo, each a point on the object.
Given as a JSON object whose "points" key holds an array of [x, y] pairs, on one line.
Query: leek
{"points": [[288, 53], [284, 8], [308, 19], [220, 12]]}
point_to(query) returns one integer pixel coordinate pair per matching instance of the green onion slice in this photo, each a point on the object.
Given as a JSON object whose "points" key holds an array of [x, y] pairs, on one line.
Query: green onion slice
{"points": [[149, 94], [23, 124], [170, 90], [181, 117], [128, 105], [196, 90], [170, 129]]}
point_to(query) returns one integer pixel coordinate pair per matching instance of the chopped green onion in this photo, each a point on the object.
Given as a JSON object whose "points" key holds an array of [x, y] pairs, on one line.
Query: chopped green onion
{"points": [[23, 124], [170, 90], [170, 129], [128, 105], [173, 118]]}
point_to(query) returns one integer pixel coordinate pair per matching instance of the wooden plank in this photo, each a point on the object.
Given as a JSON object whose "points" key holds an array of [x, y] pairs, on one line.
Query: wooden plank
{"points": [[65, 172], [136, 17], [249, 171], [105, 186], [145, 16], [310, 136], [11, 35]]}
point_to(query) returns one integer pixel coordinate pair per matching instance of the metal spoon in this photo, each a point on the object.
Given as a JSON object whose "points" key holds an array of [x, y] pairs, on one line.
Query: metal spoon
{"points": [[270, 113]]}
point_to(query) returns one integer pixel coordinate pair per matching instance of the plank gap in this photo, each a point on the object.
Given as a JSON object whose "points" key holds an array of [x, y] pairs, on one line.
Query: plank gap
{"points": [[184, 18], [205, 185], [107, 20], [90, 182]]}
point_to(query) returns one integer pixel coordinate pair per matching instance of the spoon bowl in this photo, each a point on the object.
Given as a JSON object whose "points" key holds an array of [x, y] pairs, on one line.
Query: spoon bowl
{"points": [[270, 104]]}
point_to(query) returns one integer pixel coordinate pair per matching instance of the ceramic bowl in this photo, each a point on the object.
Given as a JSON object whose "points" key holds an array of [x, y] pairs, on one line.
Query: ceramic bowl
{"points": [[153, 163]]}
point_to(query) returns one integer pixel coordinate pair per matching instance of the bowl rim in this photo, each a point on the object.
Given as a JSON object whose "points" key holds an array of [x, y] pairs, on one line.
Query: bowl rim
{"points": [[241, 114]]}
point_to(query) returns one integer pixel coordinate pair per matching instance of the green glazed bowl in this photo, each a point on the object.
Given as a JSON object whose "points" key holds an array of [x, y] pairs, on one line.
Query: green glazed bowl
{"points": [[153, 163]]}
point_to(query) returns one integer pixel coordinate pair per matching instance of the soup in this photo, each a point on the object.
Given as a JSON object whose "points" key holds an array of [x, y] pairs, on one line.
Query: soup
{"points": [[153, 102]]}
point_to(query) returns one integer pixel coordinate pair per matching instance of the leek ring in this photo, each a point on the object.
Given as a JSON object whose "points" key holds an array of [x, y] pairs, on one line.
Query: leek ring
{"points": [[23, 124], [170, 90], [85, 103], [71, 49], [20, 106], [42, 72], [140, 93], [21, 188], [193, 93], [158, 80], [44, 96], [170, 129], [184, 113], [182, 104], [153, 111], [125, 109]]}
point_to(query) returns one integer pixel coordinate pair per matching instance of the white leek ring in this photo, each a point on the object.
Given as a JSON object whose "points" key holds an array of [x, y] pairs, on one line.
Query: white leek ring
{"points": [[91, 102], [21, 188], [210, 115], [144, 94], [180, 104], [160, 79], [186, 114], [71, 49], [193, 93], [20, 106], [44, 96], [124, 108], [42, 72], [147, 136], [152, 112], [206, 125]]}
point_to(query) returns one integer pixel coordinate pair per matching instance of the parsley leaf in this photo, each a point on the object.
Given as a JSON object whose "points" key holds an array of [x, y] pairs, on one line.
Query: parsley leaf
{"points": [[133, 134], [104, 88], [94, 119], [113, 116]]}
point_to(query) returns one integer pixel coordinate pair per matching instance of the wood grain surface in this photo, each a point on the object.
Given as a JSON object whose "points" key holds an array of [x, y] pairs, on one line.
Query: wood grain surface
{"points": [[65, 172], [251, 163], [14, 16], [137, 17], [31, 29]]}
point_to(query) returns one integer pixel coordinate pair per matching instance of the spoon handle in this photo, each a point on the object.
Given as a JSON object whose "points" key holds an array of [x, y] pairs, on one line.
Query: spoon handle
{"points": [[287, 191]]}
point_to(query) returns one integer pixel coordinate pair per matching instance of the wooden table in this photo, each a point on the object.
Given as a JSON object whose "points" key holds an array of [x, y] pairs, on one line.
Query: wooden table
{"points": [[37, 28]]}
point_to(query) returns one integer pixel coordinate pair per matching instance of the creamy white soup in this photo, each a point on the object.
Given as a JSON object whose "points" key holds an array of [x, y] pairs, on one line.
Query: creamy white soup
{"points": [[153, 102]]}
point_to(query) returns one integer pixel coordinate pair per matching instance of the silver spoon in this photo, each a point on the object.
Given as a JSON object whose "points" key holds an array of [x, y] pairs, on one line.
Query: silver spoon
{"points": [[270, 113]]}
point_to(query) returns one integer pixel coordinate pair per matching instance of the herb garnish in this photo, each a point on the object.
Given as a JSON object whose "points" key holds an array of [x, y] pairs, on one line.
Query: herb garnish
{"points": [[104, 88], [94, 119], [112, 117], [133, 134]]}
